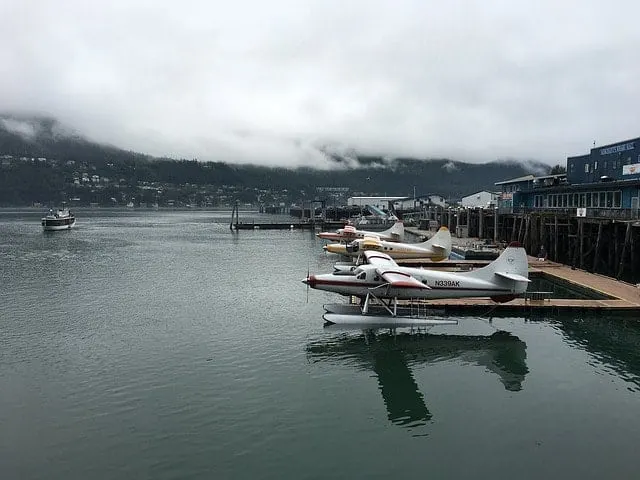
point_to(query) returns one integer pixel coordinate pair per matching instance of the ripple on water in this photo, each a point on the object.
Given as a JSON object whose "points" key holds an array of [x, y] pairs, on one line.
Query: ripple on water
{"points": [[176, 348]]}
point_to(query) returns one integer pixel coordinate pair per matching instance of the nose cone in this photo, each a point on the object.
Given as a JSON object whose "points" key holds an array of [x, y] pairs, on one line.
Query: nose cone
{"points": [[310, 280], [337, 248]]}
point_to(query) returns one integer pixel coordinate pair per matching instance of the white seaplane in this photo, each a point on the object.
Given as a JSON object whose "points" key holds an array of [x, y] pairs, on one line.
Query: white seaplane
{"points": [[349, 233], [381, 278], [437, 248]]}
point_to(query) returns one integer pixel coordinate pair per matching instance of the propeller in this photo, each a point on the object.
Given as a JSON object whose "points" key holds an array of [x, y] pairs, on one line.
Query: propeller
{"points": [[308, 273]]}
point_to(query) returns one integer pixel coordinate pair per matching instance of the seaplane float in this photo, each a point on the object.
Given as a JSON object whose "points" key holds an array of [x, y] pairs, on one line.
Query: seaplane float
{"points": [[437, 248], [381, 282], [393, 234]]}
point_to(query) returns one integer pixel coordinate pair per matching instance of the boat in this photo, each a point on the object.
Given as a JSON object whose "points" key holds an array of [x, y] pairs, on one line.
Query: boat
{"points": [[61, 219]]}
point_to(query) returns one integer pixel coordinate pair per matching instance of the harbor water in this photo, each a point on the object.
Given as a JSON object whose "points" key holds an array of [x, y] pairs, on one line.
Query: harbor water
{"points": [[159, 344]]}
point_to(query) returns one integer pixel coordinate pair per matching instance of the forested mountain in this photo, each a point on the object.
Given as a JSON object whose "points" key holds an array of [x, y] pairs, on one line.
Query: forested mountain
{"points": [[25, 175]]}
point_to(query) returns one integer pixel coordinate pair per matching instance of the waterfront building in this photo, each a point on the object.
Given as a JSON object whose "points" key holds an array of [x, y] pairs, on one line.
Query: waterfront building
{"points": [[483, 199], [377, 202], [604, 183]]}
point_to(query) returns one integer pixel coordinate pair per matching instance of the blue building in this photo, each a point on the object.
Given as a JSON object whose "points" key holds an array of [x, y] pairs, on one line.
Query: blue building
{"points": [[616, 162], [602, 183]]}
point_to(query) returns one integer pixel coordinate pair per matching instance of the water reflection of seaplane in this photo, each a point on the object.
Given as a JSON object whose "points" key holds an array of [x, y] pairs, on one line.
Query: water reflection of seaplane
{"points": [[349, 233], [392, 356], [437, 248], [381, 278]]}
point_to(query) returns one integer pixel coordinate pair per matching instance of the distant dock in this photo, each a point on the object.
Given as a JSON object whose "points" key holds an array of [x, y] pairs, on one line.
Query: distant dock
{"points": [[294, 225]]}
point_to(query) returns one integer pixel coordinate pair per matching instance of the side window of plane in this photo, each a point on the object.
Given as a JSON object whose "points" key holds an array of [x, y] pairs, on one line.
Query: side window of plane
{"points": [[362, 276], [376, 278]]}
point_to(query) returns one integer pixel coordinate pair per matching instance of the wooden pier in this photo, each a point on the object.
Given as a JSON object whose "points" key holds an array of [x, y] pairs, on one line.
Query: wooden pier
{"points": [[621, 298]]}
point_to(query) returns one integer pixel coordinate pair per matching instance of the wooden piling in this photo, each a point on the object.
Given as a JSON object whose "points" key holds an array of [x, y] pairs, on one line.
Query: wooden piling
{"points": [[555, 238], [627, 240]]}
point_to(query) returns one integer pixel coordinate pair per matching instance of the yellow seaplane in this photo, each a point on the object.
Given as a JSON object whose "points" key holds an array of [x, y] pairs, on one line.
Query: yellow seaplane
{"points": [[437, 248]]}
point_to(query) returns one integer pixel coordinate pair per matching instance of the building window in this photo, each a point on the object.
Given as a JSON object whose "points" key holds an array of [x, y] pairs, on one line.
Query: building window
{"points": [[583, 200], [617, 199], [609, 199], [537, 201], [589, 200], [603, 200], [586, 166], [594, 199]]}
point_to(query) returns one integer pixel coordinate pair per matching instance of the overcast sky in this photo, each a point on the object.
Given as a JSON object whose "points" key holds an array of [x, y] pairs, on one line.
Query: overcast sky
{"points": [[272, 82]]}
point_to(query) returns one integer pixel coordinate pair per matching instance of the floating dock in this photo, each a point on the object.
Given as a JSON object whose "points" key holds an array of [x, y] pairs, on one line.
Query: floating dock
{"points": [[618, 298]]}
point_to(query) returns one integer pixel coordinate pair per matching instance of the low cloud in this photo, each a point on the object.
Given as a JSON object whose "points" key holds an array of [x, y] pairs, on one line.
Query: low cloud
{"points": [[286, 83]]}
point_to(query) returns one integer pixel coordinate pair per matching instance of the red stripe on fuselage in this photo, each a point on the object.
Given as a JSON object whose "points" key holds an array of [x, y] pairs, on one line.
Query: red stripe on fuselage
{"points": [[396, 285]]}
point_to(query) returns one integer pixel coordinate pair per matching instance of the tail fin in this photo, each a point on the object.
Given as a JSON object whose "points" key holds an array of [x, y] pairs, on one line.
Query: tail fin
{"points": [[511, 267], [440, 242], [396, 231]]}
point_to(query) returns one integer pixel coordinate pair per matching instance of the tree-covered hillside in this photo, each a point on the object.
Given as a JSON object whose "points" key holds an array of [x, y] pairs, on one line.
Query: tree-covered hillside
{"points": [[42, 164]]}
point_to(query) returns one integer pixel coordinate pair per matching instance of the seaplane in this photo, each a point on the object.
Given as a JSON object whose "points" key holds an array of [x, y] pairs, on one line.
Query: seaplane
{"points": [[437, 248], [349, 233], [381, 282]]}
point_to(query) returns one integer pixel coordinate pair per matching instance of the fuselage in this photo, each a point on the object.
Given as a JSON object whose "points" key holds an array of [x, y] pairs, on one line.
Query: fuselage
{"points": [[394, 250], [347, 236], [440, 284], [350, 233]]}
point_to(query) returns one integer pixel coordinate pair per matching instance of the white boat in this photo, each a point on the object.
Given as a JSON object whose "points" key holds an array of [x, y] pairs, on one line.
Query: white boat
{"points": [[61, 219]]}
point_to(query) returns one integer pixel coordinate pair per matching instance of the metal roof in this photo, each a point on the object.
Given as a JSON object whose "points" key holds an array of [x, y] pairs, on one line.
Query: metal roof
{"points": [[517, 180]]}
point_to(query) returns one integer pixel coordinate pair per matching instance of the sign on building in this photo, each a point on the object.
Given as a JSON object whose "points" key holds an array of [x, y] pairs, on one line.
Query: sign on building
{"points": [[631, 169]]}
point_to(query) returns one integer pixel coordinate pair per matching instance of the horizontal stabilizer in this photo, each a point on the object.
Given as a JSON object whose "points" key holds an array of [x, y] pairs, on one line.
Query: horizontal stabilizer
{"points": [[513, 276]]}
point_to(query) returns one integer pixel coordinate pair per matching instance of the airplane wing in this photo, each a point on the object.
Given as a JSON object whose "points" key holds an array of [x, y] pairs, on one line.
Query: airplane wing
{"points": [[387, 268], [379, 259], [401, 279]]}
